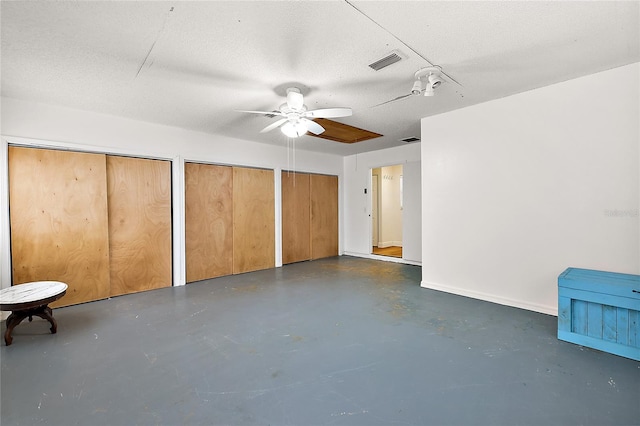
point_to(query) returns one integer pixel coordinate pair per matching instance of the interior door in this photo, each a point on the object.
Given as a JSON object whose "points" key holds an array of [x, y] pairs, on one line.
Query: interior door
{"points": [[253, 220], [208, 221], [139, 200], [59, 222], [324, 216], [296, 217]]}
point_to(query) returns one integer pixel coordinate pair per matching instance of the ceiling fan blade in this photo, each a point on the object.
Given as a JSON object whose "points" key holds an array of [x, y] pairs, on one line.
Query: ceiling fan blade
{"points": [[312, 126], [261, 112], [295, 100], [393, 100], [273, 125], [329, 113]]}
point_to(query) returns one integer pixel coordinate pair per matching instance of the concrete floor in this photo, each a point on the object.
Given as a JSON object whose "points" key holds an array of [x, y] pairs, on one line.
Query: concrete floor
{"points": [[341, 341]]}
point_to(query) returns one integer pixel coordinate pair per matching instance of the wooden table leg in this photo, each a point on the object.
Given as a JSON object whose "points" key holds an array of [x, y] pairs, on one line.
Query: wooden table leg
{"points": [[14, 319], [17, 317]]}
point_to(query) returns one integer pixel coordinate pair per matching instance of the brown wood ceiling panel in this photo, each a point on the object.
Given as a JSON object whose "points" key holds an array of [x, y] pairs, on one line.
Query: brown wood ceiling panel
{"points": [[59, 223], [340, 132], [139, 198], [208, 221]]}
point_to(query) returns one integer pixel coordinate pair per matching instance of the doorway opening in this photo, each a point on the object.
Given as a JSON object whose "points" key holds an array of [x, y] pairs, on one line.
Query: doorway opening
{"points": [[386, 211]]}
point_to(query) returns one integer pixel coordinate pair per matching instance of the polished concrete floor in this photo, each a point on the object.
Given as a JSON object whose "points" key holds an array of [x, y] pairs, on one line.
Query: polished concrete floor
{"points": [[340, 341]]}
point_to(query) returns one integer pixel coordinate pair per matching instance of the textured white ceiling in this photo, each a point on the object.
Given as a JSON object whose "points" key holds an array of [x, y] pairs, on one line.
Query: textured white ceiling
{"points": [[191, 64]]}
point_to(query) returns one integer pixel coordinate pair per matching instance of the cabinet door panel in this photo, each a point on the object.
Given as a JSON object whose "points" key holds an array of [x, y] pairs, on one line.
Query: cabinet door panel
{"points": [[324, 216], [253, 220], [139, 199], [209, 221], [59, 223], [296, 217]]}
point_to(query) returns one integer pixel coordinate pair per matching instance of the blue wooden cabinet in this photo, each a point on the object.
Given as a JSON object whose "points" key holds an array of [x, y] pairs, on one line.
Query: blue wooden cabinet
{"points": [[600, 310]]}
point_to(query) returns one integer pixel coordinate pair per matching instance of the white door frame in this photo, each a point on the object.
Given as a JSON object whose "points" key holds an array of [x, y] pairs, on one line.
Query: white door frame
{"points": [[375, 210]]}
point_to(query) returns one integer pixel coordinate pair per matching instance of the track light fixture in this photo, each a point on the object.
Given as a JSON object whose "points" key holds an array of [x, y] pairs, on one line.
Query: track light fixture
{"points": [[434, 80], [425, 82], [417, 87]]}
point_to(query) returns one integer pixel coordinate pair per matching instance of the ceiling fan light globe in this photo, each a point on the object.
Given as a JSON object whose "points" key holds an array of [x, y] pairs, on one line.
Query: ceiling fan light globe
{"points": [[293, 130]]}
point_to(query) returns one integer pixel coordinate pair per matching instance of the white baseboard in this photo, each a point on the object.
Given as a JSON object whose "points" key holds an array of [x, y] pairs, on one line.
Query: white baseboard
{"points": [[543, 309]]}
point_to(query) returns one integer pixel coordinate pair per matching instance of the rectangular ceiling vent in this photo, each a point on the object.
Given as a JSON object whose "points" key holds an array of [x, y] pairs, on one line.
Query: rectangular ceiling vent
{"points": [[411, 139], [390, 59]]}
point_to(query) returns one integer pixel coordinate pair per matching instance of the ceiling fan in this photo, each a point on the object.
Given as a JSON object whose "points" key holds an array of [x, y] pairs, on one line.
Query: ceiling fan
{"points": [[296, 116], [425, 83]]}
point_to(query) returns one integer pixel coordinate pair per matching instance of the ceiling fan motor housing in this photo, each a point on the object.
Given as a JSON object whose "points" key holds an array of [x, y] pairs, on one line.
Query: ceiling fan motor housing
{"points": [[296, 121]]}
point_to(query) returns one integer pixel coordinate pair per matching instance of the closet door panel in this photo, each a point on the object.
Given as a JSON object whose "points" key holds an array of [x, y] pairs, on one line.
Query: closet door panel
{"points": [[253, 220], [296, 219], [209, 221], [139, 200], [324, 216], [58, 216]]}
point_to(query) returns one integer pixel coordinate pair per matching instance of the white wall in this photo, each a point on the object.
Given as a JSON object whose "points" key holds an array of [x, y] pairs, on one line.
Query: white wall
{"points": [[390, 207], [64, 125], [28, 123], [518, 189], [357, 204], [412, 212]]}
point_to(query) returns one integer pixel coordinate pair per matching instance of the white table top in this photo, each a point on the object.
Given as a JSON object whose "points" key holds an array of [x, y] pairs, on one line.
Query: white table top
{"points": [[31, 292]]}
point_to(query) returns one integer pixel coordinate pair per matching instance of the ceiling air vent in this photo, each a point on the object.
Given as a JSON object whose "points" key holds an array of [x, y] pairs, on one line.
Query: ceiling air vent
{"points": [[411, 139], [390, 59]]}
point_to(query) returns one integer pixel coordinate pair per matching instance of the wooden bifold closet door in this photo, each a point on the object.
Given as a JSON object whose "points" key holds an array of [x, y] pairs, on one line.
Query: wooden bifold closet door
{"points": [[208, 221], [139, 200], [229, 220], [59, 222], [309, 216], [100, 223], [253, 220], [324, 216], [296, 217]]}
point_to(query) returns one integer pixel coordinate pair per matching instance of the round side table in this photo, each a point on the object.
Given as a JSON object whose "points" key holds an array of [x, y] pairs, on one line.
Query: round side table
{"points": [[29, 300]]}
